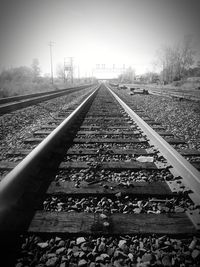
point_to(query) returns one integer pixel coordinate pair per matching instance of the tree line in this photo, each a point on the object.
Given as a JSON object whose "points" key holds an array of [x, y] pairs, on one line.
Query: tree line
{"points": [[177, 60], [23, 80], [175, 63]]}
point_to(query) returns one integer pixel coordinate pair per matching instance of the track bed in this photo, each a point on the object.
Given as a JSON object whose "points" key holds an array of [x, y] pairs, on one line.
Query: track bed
{"points": [[98, 192]]}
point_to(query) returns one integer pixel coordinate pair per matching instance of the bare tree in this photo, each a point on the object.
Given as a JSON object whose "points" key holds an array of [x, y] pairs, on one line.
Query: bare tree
{"points": [[36, 69], [128, 76], [175, 61], [150, 77], [60, 71]]}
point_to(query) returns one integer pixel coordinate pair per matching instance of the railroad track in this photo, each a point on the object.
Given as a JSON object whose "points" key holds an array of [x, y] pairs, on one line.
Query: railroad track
{"points": [[11, 104], [102, 187], [190, 95]]}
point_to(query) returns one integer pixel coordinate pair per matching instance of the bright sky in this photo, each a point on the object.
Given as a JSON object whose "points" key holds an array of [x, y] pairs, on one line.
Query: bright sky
{"points": [[93, 31]]}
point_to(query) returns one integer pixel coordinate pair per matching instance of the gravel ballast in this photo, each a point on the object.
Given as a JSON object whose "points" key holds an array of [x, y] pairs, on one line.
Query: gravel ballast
{"points": [[135, 251], [19, 125], [182, 118]]}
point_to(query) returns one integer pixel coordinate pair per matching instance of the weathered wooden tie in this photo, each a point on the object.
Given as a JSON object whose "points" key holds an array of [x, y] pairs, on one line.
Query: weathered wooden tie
{"points": [[109, 188], [91, 223]]}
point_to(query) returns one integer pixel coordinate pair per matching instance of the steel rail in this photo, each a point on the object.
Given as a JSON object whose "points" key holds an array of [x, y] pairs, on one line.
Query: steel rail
{"points": [[183, 168], [14, 185]]}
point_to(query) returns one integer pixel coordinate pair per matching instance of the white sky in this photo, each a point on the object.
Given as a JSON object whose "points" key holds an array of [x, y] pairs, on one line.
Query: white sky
{"points": [[93, 31]]}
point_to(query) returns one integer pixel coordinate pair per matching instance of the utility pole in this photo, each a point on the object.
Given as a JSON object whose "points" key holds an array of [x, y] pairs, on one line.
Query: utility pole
{"points": [[51, 60]]}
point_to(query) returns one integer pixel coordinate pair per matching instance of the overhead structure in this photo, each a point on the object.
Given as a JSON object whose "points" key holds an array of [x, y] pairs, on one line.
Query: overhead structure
{"points": [[108, 71], [68, 69]]}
